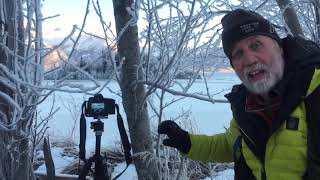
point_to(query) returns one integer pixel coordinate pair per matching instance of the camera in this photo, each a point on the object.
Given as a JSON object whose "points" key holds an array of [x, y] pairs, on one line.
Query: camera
{"points": [[99, 107]]}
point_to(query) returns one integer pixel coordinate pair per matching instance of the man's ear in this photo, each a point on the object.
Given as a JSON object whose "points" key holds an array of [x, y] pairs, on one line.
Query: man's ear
{"points": [[278, 45], [281, 49]]}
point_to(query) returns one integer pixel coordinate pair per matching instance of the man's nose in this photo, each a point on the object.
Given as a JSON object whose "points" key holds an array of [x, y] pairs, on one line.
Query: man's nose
{"points": [[250, 58]]}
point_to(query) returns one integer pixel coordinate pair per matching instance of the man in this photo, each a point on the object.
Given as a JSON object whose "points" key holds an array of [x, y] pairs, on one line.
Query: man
{"points": [[273, 134]]}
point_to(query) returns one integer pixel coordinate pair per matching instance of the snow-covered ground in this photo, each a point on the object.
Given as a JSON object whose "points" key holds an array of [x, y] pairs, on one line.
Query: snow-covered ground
{"points": [[207, 118]]}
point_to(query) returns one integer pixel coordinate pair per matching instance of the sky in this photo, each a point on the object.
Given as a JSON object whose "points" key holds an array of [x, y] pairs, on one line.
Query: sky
{"points": [[72, 12]]}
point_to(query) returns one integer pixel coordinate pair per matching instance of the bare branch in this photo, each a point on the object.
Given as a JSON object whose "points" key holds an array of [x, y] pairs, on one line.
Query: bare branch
{"points": [[173, 92]]}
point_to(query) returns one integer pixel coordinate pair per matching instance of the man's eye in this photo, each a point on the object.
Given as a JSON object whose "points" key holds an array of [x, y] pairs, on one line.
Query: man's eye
{"points": [[256, 45], [236, 55]]}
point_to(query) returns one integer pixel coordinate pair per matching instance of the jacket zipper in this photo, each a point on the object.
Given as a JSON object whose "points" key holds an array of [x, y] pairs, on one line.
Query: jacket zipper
{"points": [[263, 168], [263, 172]]}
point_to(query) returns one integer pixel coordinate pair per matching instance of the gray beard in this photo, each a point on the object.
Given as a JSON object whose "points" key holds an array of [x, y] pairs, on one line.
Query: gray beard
{"points": [[274, 73]]}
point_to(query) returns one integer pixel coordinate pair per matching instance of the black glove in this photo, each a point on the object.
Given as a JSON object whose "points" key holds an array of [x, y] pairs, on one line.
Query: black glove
{"points": [[178, 138]]}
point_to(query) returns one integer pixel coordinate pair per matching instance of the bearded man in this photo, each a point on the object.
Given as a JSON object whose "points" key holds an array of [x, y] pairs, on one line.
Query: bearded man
{"points": [[275, 127]]}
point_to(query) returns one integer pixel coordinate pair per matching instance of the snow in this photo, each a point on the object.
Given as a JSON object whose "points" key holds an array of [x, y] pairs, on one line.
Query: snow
{"points": [[60, 162], [222, 175], [129, 174], [207, 118]]}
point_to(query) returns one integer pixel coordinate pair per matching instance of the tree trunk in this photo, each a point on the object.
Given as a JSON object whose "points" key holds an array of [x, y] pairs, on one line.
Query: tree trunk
{"points": [[290, 17], [14, 142], [316, 6], [3, 55], [20, 30], [10, 7], [48, 160], [133, 93]]}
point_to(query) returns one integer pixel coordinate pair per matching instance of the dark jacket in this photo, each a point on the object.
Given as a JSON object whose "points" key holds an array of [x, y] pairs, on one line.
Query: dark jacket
{"points": [[278, 152]]}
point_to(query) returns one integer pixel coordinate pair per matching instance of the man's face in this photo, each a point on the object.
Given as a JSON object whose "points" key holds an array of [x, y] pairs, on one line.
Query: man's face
{"points": [[258, 62]]}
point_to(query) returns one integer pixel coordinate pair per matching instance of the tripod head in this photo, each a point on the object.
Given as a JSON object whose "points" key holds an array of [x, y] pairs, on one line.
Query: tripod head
{"points": [[97, 126]]}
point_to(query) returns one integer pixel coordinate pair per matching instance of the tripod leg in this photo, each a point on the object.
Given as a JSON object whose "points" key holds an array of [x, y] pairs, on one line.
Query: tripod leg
{"points": [[99, 169], [85, 170]]}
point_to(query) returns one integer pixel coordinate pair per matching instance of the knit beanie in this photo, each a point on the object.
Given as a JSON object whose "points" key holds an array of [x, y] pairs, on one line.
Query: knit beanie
{"points": [[240, 24]]}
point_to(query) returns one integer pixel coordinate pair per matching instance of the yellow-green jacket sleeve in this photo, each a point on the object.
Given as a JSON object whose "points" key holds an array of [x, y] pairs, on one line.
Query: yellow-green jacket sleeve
{"points": [[217, 148]]}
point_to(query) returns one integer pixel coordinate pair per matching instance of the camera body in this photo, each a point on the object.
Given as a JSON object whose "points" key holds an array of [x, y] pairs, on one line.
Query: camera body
{"points": [[99, 107]]}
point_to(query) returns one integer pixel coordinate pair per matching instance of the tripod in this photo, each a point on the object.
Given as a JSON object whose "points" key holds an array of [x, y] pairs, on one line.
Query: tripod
{"points": [[99, 107], [99, 171]]}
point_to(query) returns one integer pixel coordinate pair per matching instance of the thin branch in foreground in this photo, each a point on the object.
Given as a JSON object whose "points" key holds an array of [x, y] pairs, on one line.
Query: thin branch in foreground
{"points": [[177, 93]]}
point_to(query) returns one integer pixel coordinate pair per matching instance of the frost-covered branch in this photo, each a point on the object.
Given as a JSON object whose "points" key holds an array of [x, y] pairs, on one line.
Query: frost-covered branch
{"points": [[82, 27], [107, 39], [174, 92]]}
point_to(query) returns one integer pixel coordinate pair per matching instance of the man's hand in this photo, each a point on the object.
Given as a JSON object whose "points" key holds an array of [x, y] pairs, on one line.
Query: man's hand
{"points": [[178, 138]]}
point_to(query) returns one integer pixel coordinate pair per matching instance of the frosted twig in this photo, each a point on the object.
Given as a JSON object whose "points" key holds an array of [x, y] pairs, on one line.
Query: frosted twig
{"points": [[11, 101], [82, 27], [173, 92], [62, 42], [103, 24], [146, 156], [50, 17]]}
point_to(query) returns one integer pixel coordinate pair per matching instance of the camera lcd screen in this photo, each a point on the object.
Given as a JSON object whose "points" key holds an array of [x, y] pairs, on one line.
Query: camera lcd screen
{"points": [[97, 107]]}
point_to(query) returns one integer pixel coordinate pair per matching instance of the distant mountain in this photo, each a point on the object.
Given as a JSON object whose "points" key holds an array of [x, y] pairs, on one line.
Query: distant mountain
{"points": [[87, 47], [89, 54], [84, 43]]}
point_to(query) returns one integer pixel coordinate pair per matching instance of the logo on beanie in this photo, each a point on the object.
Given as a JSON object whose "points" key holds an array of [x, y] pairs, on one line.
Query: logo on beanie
{"points": [[248, 28], [271, 29]]}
